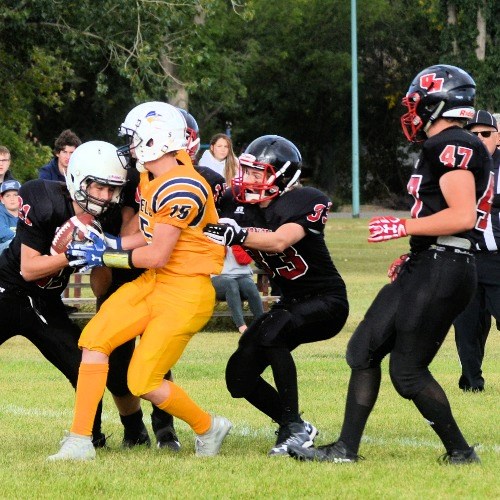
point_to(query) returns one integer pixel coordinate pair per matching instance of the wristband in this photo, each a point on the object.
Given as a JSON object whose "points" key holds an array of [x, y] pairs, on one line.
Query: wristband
{"points": [[121, 260]]}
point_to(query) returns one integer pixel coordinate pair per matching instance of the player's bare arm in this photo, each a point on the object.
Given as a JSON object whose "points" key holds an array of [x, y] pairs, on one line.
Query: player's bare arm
{"points": [[34, 265], [458, 188], [158, 252], [276, 241]]}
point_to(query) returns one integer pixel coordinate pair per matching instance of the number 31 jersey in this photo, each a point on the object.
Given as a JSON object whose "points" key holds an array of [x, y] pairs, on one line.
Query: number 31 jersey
{"points": [[305, 268]]}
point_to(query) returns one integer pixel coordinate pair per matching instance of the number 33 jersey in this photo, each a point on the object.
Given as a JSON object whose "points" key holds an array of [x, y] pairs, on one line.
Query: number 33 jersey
{"points": [[305, 268], [182, 198], [451, 149]]}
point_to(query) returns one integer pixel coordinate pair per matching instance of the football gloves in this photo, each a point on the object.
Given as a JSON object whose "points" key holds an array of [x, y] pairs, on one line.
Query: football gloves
{"points": [[227, 232], [396, 266], [386, 228], [87, 255], [113, 242]]}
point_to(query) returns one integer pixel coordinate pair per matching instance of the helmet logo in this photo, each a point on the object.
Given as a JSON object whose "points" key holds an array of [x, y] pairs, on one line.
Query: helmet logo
{"points": [[430, 83]]}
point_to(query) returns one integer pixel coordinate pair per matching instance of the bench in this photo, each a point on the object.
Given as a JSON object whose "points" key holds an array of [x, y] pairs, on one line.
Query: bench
{"points": [[79, 294]]}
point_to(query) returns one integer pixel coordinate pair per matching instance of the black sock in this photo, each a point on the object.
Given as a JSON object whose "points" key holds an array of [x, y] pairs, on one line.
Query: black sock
{"points": [[266, 399], [132, 424], [361, 396], [161, 420], [285, 378], [433, 404]]}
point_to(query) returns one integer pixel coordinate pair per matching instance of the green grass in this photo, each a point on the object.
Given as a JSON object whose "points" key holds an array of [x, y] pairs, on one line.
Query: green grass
{"points": [[400, 448]]}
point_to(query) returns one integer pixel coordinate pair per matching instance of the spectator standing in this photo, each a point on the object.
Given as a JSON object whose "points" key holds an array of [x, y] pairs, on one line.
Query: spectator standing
{"points": [[235, 283], [64, 147], [9, 212], [410, 317], [5, 173], [220, 157], [472, 326]]}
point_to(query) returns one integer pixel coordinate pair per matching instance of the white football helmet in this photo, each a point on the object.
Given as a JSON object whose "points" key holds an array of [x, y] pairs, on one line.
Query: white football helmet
{"points": [[95, 161]]}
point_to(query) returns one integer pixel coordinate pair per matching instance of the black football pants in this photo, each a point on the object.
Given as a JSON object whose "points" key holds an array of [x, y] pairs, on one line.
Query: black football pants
{"points": [[472, 326], [45, 323]]}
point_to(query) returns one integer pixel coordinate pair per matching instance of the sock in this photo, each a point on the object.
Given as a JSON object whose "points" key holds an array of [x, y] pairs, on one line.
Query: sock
{"points": [[433, 404], [361, 396], [160, 420], [133, 425], [285, 378], [266, 399], [89, 391], [180, 405]]}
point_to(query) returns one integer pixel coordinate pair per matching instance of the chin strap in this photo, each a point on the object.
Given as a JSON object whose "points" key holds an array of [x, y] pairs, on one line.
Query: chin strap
{"points": [[435, 115]]}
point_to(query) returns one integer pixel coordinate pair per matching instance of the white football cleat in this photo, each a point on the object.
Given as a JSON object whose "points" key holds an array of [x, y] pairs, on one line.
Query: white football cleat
{"points": [[74, 447], [208, 444]]}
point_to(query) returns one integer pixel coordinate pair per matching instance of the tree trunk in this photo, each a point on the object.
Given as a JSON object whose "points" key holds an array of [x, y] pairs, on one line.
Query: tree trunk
{"points": [[452, 20], [481, 34]]}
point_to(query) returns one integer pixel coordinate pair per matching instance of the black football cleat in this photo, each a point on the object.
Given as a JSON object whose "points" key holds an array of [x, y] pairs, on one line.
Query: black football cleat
{"points": [[167, 438], [460, 457], [334, 452], [137, 439], [99, 440], [292, 433]]}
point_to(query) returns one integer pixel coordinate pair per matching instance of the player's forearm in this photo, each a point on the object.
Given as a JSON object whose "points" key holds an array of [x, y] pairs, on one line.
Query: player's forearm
{"points": [[443, 223], [41, 266]]}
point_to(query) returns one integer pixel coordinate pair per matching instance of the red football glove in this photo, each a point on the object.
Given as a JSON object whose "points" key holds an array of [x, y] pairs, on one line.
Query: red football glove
{"points": [[396, 266], [386, 228]]}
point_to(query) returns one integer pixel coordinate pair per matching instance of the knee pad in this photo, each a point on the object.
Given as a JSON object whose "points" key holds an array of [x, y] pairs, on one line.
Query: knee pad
{"points": [[242, 372], [273, 328], [119, 361], [358, 354], [408, 382]]}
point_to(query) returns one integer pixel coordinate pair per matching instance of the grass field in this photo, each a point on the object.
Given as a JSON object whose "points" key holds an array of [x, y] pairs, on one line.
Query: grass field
{"points": [[400, 448]]}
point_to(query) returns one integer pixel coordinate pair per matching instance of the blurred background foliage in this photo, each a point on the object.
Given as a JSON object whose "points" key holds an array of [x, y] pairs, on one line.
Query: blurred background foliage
{"points": [[258, 67]]}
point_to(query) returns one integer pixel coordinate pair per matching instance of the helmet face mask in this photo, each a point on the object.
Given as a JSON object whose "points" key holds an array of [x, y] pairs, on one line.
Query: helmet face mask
{"points": [[440, 91], [192, 134], [280, 162], [95, 161]]}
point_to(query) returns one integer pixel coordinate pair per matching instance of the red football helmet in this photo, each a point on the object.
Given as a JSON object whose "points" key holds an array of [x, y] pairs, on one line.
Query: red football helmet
{"points": [[440, 91], [192, 134]]}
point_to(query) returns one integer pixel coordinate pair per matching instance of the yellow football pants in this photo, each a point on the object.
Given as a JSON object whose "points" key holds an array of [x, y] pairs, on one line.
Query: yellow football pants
{"points": [[166, 310]]}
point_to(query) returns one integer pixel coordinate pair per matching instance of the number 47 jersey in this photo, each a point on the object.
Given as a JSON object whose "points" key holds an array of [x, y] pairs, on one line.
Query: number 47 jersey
{"points": [[451, 149], [305, 268]]}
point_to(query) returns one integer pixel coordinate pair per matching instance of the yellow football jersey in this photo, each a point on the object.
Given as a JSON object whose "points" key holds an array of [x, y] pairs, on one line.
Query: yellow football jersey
{"points": [[182, 198]]}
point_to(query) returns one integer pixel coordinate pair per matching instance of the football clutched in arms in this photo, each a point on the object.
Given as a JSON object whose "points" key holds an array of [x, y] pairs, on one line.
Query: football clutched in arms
{"points": [[73, 229]]}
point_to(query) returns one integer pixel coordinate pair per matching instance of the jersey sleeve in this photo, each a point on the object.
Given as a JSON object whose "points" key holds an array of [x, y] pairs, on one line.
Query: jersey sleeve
{"points": [[310, 210], [34, 212], [455, 149], [180, 202]]}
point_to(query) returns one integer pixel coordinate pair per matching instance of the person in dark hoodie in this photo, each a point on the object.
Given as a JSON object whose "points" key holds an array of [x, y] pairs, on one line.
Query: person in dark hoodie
{"points": [[64, 147]]}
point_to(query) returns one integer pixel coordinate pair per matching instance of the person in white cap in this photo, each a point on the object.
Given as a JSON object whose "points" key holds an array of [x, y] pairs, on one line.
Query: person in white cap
{"points": [[472, 326]]}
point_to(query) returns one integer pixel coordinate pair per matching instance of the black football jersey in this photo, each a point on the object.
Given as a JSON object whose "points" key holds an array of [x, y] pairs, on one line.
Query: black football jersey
{"points": [[306, 268], [453, 148], [216, 182], [43, 207], [490, 240]]}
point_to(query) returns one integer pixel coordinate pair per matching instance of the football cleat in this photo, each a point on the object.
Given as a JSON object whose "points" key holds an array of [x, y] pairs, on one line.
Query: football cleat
{"points": [[208, 444], [292, 433], [460, 457], [74, 447], [142, 438], [334, 452], [167, 438], [311, 430], [99, 440]]}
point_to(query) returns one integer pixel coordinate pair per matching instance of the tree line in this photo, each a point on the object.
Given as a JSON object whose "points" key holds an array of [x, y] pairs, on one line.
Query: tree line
{"points": [[281, 67]]}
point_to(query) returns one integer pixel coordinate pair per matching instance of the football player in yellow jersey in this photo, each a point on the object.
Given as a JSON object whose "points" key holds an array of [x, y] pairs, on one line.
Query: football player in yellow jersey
{"points": [[168, 303]]}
